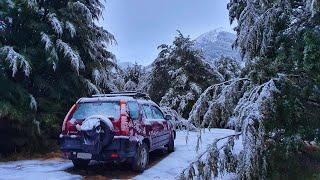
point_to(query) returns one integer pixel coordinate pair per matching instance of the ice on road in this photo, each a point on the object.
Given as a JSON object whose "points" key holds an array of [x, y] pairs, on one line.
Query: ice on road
{"points": [[167, 168]]}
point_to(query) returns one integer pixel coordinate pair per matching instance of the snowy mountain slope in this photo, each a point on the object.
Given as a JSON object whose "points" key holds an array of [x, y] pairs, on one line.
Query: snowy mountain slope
{"points": [[215, 44], [125, 64]]}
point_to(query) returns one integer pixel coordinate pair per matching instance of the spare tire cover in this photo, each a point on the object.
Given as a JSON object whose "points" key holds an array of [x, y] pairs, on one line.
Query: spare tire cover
{"points": [[97, 131]]}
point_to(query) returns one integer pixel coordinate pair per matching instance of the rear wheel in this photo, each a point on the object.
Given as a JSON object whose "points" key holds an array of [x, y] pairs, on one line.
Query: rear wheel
{"points": [[170, 145], [140, 160], [80, 163]]}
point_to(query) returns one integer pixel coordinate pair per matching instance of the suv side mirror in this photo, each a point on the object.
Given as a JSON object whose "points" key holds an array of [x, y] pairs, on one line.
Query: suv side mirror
{"points": [[167, 117]]}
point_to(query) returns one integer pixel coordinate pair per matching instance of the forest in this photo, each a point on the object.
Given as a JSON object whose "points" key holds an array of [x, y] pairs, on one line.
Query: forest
{"points": [[54, 52]]}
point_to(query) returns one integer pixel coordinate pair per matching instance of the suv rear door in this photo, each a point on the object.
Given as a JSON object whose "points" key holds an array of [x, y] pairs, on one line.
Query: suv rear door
{"points": [[152, 126], [135, 116], [162, 124]]}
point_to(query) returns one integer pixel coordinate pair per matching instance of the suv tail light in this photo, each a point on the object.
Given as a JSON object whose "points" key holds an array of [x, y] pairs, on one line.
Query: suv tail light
{"points": [[67, 118], [124, 121]]}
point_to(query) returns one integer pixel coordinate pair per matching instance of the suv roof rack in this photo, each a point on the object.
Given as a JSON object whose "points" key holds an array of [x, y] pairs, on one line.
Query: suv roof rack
{"points": [[133, 94]]}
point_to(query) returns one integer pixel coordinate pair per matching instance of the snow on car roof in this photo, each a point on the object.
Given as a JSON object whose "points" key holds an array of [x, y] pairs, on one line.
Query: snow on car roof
{"points": [[97, 99], [116, 98], [143, 101]]}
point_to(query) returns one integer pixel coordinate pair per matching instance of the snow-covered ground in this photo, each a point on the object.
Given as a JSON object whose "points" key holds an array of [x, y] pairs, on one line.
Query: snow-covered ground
{"points": [[166, 167], [36, 169]]}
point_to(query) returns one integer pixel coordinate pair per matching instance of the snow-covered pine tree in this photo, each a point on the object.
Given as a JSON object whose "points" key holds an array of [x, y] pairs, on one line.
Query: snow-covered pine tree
{"points": [[134, 73], [180, 75], [282, 39], [53, 52], [277, 117], [130, 86], [246, 159], [228, 67], [134, 78]]}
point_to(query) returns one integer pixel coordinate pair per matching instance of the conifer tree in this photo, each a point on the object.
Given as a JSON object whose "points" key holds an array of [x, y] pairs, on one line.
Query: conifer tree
{"points": [[51, 53], [277, 115], [180, 75]]}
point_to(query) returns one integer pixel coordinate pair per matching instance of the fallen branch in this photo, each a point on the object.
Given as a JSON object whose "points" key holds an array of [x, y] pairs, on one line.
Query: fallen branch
{"points": [[206, 151]]}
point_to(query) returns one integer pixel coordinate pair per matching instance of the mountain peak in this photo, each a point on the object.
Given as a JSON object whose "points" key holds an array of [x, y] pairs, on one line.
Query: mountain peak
{"points": [[217, 43], [212, 35]]}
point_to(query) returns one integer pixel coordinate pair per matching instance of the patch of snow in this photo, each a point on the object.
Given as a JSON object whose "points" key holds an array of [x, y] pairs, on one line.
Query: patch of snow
{"points": [[37, 169], [94, 121], [185, 152], [168, 168]]}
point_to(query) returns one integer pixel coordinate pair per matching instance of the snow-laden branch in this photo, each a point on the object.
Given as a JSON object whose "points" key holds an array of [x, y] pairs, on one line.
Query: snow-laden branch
{"points": [[45, 39], [258, 22], [210, 163], [83, 11], [72, 55], [33, 103], [215, 105], [252, 110], [92, 88], [71, 28], [15, 60], [32, 4], [55, 23]]}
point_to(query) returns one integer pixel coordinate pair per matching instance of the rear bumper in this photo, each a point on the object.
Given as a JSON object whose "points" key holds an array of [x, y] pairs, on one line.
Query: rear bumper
{"points": [[120, 148]]}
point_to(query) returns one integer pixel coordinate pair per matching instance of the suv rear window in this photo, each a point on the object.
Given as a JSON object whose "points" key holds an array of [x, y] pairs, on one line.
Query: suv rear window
{"points": [[107, 109], [133, 109]]}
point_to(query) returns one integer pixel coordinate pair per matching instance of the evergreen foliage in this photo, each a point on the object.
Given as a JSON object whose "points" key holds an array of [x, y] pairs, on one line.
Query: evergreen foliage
{"points": [[282, 39], [51, 53], [180, 75], [228, 67], [277, 116]]}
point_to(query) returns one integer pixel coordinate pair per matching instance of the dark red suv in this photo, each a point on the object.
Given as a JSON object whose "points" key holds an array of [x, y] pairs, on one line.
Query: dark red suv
{"points": [[116, 127]]}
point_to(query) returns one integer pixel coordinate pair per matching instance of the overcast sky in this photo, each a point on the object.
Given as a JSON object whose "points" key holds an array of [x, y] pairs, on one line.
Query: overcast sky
{"points": [[139, 26]]}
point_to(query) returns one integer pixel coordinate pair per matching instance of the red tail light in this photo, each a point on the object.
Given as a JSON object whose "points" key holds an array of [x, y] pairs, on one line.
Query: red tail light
{"points": [[114, 155], [67, 118], [124, 122]]}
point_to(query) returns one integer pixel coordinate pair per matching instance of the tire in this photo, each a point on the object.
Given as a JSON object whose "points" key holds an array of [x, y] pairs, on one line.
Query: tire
{"points": [[170, 145], [141, 159], [80, 163]]}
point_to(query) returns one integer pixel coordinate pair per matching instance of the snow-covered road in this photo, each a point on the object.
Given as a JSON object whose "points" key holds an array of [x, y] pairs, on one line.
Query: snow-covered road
{"points": [[162, 165]]}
